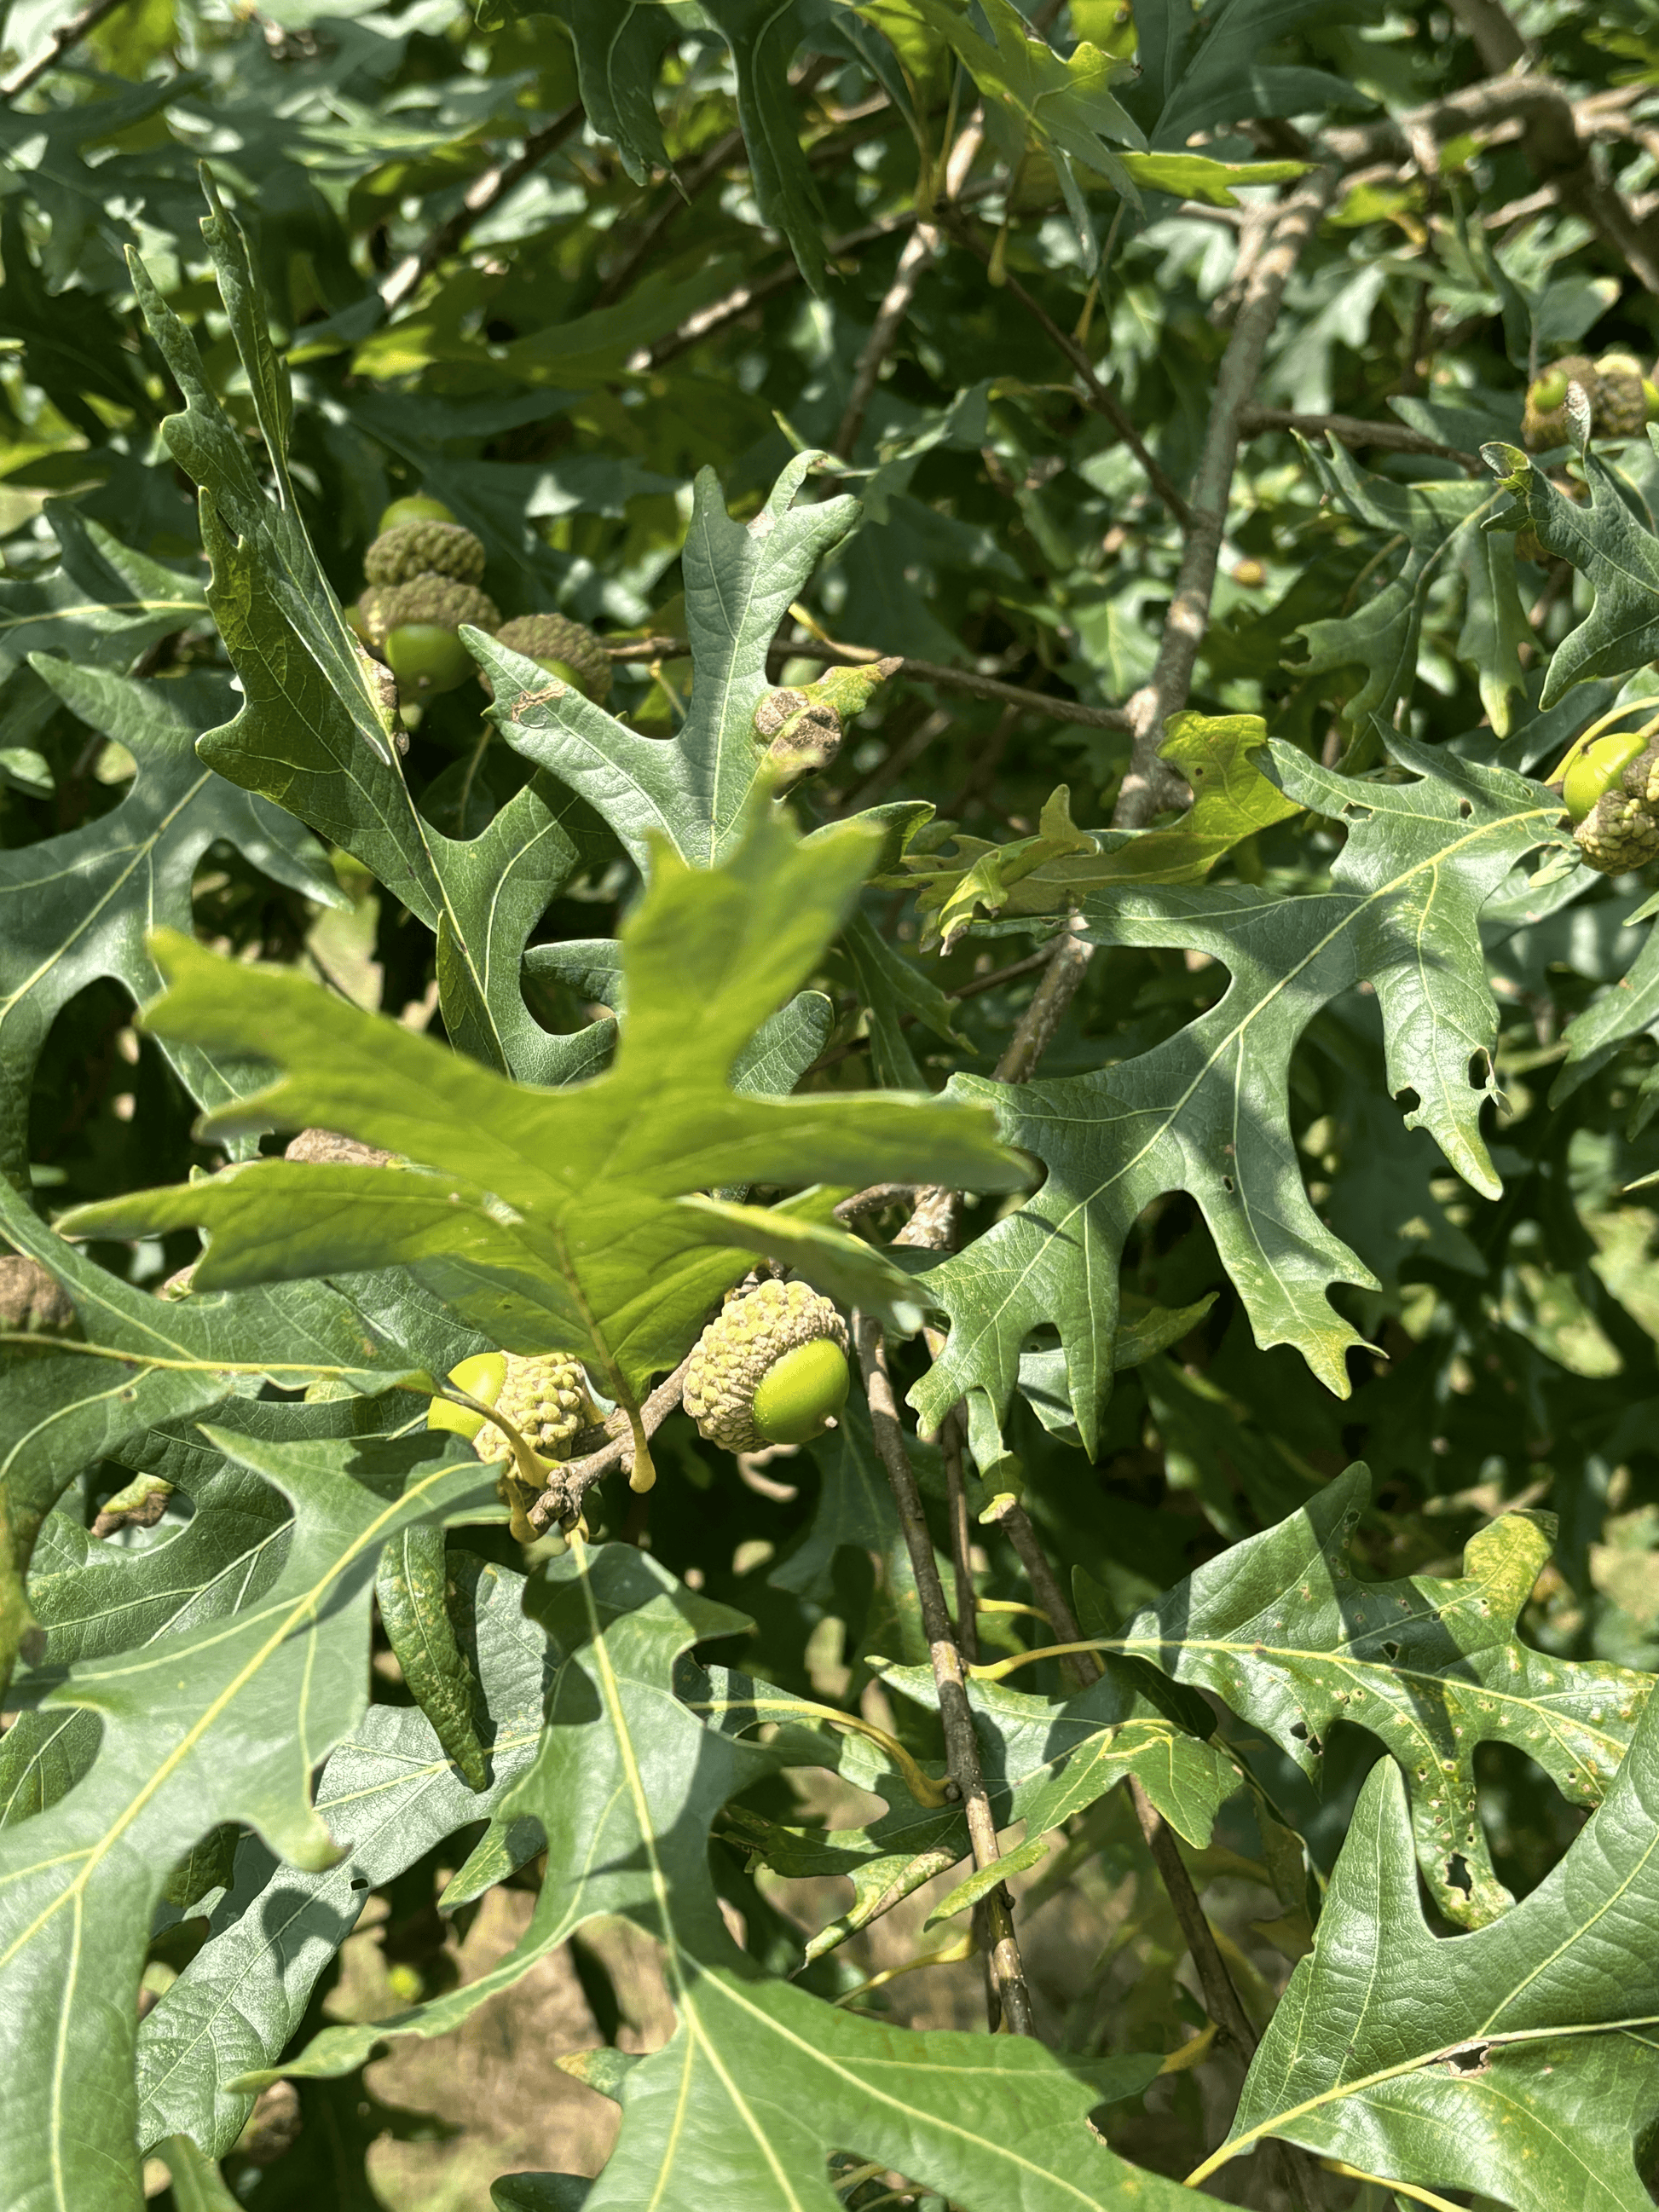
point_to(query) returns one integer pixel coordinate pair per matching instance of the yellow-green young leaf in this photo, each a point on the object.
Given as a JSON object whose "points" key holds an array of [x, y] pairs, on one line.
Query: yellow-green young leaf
{"points": [[552, 1218], [1519, 2061], [1060, 865], [1285, 1630], [1195, 177], [1208, 1110], [223, 1724]]}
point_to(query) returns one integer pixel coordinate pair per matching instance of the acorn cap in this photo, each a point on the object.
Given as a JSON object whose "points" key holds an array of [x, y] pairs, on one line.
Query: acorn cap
{"points": [[439, 600], [556, 637], [740, 1346], [1641, 777], [544, 1395], [424, 549], [1619, 404], [1618, 834]]}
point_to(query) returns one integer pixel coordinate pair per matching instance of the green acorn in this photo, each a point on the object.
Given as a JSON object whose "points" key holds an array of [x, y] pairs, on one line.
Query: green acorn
{"points": [[1544, 422], [425, 549], [416, 507], [770, 1368], [1598, 769], [543, 1394], [565, 649], [412, 626], [1619, 406]]}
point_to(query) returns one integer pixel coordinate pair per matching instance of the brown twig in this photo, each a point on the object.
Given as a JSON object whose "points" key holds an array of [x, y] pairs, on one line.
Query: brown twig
{"points": [[956, 679], [561, 1500], [1150, 785], [67, 34], [487, 190], [955, 1499], [913, 262], [1095, 394], [956, 1715], [876, 1200], [1352, 430], [1068, 958], [970, 990]]}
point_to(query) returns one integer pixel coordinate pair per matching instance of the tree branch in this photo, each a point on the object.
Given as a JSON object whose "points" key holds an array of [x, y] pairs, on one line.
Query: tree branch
{"points": [[918, 251], [67, 34], [954, 679], [1150, 785], [1095, 395], [487, 190], [1352, 430], [561, 1501], [1007, 1969]]}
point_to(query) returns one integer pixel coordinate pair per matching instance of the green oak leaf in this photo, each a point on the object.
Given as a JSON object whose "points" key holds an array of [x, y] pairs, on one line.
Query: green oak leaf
{"points": [[762, 36], [223, 1724], [1207, 1110], [77, 907], [572, 1217], [1617, 555], [1044, 1759], [99, 608], [1618, 1016], [1283, 1629], [147, 1361], [694, 790], [761, 2081], [1473, 2061], [314, 733], [1443, 527], [389, 1791], [619, 47]]}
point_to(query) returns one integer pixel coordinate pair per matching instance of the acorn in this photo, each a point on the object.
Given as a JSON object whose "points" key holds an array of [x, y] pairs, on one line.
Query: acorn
{"points": [[1598, 768], [565, 649], [543, 1394], [1619, 404], [416, 507], [770, 1368], [1544, 422], [1619, 834], [412, 626], [425, 549]]}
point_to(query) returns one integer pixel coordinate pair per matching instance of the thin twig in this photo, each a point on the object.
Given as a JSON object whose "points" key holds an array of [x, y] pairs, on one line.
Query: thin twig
{"points": [[1150, 785], [955, 1714], [563, 1498], [955, 1498], [487, 190], [65, 36], [1352, 430], [956, 679], [1095, 394], [918, 251]]}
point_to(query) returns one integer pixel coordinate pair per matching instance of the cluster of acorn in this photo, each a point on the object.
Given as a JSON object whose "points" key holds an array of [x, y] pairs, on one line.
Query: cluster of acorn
{"points": [[1611, 792], [770, 1368], [1621, 396], [423, 576]]}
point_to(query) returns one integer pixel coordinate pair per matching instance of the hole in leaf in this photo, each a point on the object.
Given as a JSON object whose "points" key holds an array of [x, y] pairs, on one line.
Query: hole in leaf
{"points": [[1305, 1734], [1480, 1070], [1458, 1875], [1475, 2060], [1409, 1100], [1465, 808], [1391, 1653], [1226, 1182]]}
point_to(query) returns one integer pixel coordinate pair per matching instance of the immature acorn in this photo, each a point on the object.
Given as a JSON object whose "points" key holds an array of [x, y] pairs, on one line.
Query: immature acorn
{"points": [[770, 1368], [424, 549], [412, 627], [414, 506], [1611, 791], [1544, 422], [543, 1394], [565, 649]]}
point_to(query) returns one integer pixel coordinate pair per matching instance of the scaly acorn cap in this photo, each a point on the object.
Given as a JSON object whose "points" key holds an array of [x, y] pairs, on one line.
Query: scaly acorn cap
{"points": [[1641, 778], [1618, 834], [440, 600], [556, 637], [740, 1348], [544, 1395], [1619, 407], [424, 549]]}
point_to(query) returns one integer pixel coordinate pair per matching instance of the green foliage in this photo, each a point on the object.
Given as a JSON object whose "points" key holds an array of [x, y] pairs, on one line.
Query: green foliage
{"points": [[1080, 731]]}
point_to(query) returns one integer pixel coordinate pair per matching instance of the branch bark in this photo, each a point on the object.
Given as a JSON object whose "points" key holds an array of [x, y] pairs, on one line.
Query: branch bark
{"points": [[1353, 430], [918, 251], [487, 190], [561, 1500], [67, 34], [1007, 1971]]}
